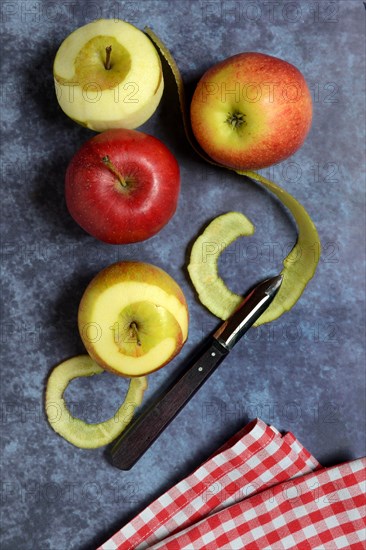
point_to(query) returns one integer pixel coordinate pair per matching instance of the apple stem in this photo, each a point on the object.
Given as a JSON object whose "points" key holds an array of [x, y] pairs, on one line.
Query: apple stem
{"points": [[107, 64], [114, 170], [134, 333]]}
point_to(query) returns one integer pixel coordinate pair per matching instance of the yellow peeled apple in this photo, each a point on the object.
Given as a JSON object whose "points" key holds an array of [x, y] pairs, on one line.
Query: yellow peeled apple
{"points": [[133, 318], [108, 74]]}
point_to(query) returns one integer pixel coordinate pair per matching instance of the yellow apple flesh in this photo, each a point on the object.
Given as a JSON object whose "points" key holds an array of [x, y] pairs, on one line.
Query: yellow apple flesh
{"points": [[251, 110], [133, 318], [108, 75]]}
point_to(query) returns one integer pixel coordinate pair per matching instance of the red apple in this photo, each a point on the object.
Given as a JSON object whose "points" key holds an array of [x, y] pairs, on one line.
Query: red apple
{"points": [[251, 110], [122, 186]]}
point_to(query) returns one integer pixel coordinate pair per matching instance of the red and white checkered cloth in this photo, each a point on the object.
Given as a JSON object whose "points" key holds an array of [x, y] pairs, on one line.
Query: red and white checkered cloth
{"points": [[262, 490]]}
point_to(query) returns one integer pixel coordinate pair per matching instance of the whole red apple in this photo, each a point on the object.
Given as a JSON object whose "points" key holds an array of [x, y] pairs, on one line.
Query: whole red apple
{"points": [[251, 110], [122, 186]]}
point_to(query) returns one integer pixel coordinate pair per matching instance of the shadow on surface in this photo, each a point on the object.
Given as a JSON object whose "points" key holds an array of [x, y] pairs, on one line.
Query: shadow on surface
{"points": [[64, 314]]}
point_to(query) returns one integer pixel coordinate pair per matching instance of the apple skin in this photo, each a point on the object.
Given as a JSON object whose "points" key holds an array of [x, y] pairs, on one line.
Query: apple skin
{"points": [[100, 204], [268, 94], [132, 285], [124, 96]]}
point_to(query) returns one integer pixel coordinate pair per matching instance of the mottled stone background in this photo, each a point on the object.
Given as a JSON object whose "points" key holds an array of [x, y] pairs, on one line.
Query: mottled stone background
{"points": [[303, 373]]}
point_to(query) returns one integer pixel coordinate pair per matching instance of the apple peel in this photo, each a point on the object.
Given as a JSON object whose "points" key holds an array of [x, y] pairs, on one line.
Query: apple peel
{"points": [[181, 93], [299, 265], [83, 434], [203, 264]]}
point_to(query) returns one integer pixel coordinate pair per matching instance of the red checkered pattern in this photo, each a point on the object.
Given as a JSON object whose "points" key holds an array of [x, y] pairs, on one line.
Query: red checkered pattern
{"points": [[260, 491]]}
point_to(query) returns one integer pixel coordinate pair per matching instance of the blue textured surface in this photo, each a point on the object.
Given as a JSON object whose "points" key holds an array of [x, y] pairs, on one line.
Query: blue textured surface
{"points": [[303, 373]]}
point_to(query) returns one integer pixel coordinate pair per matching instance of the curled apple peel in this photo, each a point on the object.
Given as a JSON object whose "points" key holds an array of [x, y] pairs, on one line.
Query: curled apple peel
{"points": [[203, 268], [299, 266], [74, 430], [301, 263]]}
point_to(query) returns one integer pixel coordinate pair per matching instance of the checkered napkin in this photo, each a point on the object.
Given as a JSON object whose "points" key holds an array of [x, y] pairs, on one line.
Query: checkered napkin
{"points": [[262, 490]]}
